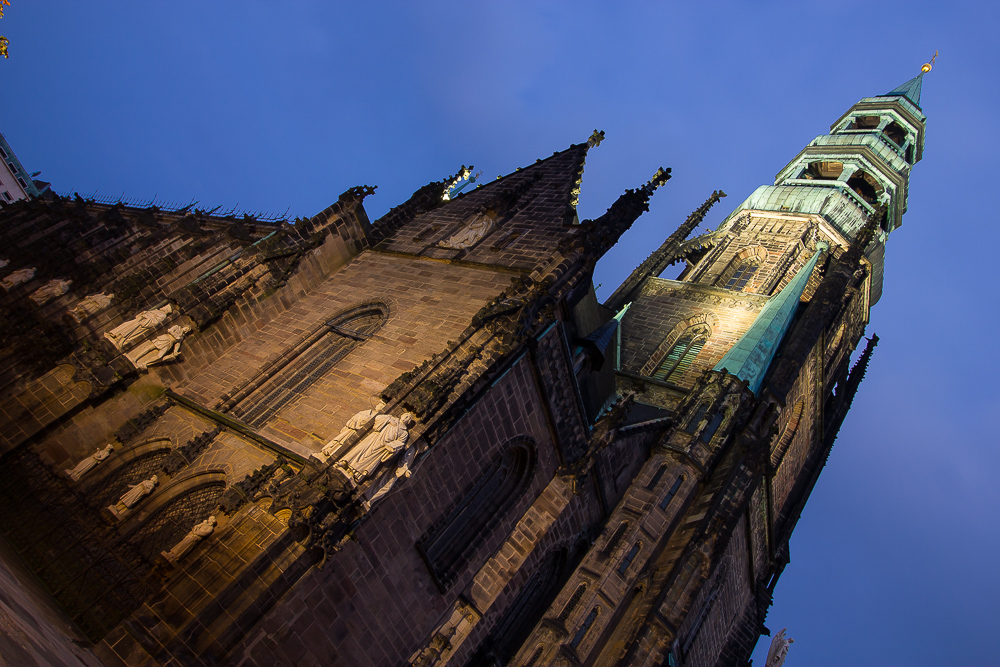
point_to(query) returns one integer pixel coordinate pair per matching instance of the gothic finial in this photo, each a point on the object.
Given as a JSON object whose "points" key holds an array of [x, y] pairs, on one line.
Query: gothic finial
{"points": [[659, 178], [595, 139], [927, 67]]}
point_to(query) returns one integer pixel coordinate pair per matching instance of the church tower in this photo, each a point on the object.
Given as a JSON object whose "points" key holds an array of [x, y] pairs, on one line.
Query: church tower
{"points": [[741, 367], [421, 439]]}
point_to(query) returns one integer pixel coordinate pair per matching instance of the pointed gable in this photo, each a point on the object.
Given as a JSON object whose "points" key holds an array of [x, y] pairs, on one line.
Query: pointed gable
{"points": [[515, 221]]}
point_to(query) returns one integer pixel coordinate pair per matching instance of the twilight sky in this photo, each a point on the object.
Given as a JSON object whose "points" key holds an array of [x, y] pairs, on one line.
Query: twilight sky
{"points": [[282, 106]]}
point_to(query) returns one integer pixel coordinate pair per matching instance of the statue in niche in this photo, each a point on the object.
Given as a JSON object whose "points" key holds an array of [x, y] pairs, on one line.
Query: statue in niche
{"points": [[91, 305], [472, 233], [131, 331], [131, 498], [50, 290], [195, 535], [387, 437], [355, 424], [779, 649], [160, 350], [87, 464], [16, 278]]}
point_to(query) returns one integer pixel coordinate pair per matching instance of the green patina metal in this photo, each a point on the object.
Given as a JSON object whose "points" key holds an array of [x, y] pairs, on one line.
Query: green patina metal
{"points": [[910, 90], [750, 358]]}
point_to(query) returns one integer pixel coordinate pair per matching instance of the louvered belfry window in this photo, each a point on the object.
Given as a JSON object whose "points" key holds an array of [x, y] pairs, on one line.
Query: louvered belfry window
{"points": [[679, 360]]}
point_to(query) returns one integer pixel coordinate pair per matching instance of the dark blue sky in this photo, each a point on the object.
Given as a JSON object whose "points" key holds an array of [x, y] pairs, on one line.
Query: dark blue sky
{"points": [[276, 106]]}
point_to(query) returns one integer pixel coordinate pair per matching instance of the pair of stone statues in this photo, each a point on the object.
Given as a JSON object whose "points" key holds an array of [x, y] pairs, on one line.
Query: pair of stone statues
{"points": [[165, 347], [388, 436]]}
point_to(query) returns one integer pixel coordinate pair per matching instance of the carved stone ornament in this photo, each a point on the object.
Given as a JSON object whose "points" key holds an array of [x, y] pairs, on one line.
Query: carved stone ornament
{"points": [[130, 332], [87, 464], [779, 649], [16, 278], [472, 233], [50, 290], [197, 534], [132, 497], [160, 350], [91, 305]]}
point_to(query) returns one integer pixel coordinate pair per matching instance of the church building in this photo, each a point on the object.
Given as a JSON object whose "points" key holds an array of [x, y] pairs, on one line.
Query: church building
{"points": [[423, 440]]}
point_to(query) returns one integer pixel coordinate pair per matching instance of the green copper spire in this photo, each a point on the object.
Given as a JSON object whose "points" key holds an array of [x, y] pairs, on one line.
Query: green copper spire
{"points": [[910, 89], [750, 358]]}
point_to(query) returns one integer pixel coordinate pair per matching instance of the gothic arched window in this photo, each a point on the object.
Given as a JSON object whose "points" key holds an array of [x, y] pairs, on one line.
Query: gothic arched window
{"points": [[300, 367], [447, 546], [738, 275], [519, 619], [741, 275], [681, 355]]}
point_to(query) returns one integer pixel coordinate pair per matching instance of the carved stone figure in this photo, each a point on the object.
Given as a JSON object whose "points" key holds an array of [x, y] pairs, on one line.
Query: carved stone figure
{"points": [[131, 331], [196, 535], [91, 305], [160, 350], [132, 497], [390, 478], [387, 437], [358, 422], [16, 278], [779, 649], [50, 290], [472, 233], [85, 466]]}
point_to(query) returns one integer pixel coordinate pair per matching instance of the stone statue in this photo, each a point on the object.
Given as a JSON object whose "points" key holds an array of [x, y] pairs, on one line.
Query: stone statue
{"points": [[387, 437], [160, 350], [16, 278], [472, 233], [390, 478], [196, 535], [358, 422], [92, 305], [131, 331], [85, 466], [50, 290], [779, 649], [132, 497]]}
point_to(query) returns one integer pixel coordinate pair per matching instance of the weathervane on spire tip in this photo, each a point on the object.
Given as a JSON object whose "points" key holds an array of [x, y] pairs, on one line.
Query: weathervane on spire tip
{"points": [[927, 67]]}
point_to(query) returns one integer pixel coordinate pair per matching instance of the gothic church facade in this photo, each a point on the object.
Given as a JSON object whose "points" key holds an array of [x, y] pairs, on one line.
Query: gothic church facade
{"points": [[422, 440]]}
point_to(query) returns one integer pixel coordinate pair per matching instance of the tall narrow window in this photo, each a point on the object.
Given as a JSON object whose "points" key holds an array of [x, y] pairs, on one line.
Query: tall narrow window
{"points": [[681, 356], [584, 627], [713, 426], [321, 351], [671, 493], [573, 602], [656, 478], [627, 560], [696, 418], [447, 546]]}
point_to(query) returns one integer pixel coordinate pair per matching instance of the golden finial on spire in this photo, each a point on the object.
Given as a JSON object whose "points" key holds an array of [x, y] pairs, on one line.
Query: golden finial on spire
{"points": [[927, 67]]}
